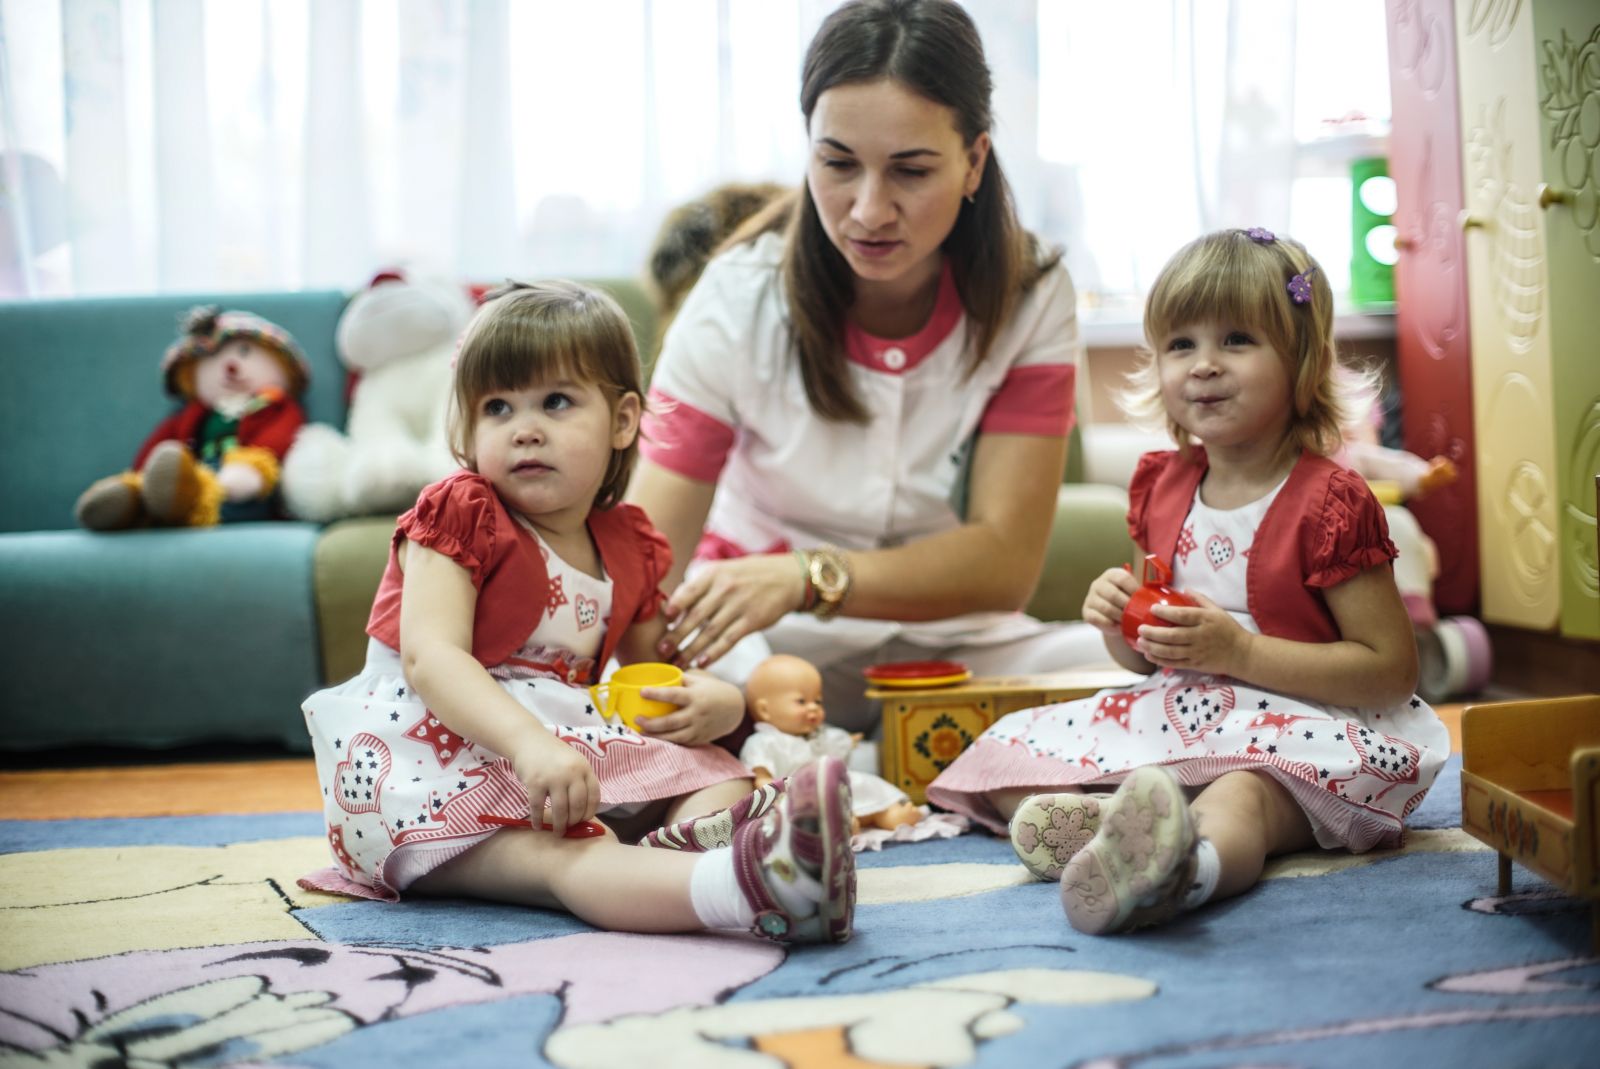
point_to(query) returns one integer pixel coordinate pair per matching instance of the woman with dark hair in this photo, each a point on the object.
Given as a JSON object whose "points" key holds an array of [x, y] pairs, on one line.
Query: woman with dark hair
{"points": [[860, 412]]}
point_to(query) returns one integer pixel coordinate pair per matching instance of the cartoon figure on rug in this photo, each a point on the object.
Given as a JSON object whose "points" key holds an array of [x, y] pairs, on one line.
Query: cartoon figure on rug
{"points": [[784, 697], [216, 459], [509, 585], [1278, 711], [397, 337]]}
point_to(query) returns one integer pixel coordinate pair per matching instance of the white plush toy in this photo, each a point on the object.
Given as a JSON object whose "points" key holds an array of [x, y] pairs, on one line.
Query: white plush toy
{"points": [[398, 335]]}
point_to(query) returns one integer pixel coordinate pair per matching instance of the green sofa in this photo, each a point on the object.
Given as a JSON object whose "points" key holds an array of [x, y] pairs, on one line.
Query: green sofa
{"points": [[159, 638]]}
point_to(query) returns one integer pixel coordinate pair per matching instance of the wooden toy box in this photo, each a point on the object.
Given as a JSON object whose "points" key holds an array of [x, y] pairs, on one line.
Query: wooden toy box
{"points": [[1530, 788], [925, 729]]}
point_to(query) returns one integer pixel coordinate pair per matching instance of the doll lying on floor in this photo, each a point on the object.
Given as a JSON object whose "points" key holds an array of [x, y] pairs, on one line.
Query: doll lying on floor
{"points": [[784, 696]]}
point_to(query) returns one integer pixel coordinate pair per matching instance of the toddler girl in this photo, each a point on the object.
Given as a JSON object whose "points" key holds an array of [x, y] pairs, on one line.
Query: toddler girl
{"points": [[509, 586], [1278, 711]]}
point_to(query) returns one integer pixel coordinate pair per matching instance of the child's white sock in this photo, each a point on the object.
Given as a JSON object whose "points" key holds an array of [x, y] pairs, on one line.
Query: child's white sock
{"points": [[714, 892], [1207, 868]]}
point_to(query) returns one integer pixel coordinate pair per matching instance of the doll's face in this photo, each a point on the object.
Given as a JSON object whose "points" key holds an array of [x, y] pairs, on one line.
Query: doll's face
{"points": [[241, 368], [789, 700]]}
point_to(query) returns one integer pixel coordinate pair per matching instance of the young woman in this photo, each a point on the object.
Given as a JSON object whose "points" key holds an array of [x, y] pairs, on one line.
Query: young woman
{"points": [[864, 357]]}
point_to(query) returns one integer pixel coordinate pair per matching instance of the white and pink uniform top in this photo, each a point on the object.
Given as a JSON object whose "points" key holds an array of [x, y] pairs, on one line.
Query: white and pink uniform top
{"points": [[729, 407]]}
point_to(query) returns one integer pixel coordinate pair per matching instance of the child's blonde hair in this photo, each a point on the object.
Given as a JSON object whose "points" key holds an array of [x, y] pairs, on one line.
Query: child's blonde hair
{"points": [[1243, 278], [532, 332]]}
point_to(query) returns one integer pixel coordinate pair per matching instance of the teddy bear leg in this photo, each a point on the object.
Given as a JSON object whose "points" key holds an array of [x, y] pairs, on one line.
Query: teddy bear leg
{"points": [[178, 490], [111, 504]]}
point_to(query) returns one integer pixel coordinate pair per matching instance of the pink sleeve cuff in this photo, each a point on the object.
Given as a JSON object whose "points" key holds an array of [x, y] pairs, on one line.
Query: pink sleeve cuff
{"points": [[1037, 399], [683, 439]]}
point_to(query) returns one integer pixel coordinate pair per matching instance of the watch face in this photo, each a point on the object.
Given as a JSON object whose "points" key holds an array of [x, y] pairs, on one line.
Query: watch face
{"points": [[826, 577]]}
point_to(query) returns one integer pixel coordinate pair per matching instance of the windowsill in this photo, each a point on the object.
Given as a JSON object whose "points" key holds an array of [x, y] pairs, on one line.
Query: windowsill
{"points": [[1116, 330]]}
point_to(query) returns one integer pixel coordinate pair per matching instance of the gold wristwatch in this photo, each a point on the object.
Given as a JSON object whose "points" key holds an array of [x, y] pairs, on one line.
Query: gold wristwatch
{"points": [[829, 572]]}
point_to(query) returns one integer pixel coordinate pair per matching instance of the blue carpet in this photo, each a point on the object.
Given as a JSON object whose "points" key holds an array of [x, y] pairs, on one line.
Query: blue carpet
{"points": [[1403, 959]]}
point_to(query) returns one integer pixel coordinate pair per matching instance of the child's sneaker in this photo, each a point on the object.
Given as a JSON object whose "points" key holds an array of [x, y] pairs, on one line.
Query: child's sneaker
{"points": [[715, 830], [1047, 830], [795, 865], [1139, 865]]}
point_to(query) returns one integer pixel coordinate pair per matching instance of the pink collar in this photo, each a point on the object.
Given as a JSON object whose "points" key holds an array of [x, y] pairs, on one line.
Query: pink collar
{"points": [[896, 356]]}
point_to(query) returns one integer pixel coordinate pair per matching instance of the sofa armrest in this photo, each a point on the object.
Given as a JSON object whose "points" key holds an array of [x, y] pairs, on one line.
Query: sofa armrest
{"points": [[348, 565], [1090, 534]]}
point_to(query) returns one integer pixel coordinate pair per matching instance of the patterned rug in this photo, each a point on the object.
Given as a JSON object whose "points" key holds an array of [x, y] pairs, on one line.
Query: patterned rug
{"points": [[181, 939]]}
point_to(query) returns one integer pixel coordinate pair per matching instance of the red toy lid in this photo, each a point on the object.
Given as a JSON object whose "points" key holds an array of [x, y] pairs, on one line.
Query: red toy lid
{"points": [[911, 671]]}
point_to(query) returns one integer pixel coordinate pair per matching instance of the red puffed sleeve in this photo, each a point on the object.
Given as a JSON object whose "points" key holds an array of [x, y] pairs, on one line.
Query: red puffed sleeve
{"points": [[655, 555], [459, 518], [1145, 474], [1351, 534]]}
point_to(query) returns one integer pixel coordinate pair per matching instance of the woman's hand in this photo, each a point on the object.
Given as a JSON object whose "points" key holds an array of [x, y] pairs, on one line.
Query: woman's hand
{"points": [[1108, 596], [1203, 638], [708, 708], [556, 775], [727, 600]]}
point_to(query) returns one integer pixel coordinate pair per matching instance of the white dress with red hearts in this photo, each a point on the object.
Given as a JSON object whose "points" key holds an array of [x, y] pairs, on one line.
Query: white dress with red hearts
{"points": [[402, 794], [1355, 773]]}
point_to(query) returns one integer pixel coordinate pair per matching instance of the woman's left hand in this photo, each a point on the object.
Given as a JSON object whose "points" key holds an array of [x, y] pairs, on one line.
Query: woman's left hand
{"points": [[1202, 638], [708, 708], [727, 600]]}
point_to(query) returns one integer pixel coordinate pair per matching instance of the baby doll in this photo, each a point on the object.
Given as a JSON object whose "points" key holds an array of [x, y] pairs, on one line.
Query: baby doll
{"points": [[217, 458], [784, 695]]}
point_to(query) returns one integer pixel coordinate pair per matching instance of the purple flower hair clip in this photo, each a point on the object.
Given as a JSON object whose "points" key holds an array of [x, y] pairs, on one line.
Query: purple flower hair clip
{"points": [[1260, 235], [1300, 286]]}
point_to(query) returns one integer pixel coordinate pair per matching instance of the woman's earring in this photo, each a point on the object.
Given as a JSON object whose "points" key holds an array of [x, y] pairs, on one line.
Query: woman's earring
{"points": [[972, 198]]}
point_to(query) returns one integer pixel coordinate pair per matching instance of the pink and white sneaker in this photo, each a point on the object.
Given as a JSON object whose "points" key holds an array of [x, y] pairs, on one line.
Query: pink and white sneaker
{"points": [[1048, 830], [1138, 867], [798, 855], [715, 830]]}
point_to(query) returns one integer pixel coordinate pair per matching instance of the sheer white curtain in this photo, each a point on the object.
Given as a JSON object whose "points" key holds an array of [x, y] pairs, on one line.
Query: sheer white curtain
{"points": [[179, 145]]}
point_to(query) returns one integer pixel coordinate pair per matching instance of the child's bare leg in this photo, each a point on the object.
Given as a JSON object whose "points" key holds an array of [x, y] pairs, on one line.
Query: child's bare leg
{"points": [[707, 800], [1249, 817], [612, 886], [669, 811], [1006, 800]]}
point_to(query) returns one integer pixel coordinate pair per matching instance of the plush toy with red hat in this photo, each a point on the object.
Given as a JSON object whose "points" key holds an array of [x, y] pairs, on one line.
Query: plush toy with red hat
{"points": [[217, 458]]}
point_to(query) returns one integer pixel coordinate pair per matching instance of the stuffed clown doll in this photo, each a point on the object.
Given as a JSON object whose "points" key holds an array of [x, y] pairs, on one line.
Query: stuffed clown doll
{"points": [[217, 458]]}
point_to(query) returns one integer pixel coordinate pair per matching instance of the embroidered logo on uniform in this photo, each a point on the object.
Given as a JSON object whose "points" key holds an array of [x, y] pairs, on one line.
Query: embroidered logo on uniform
{"points": [[1219, 551], [588, 610]]}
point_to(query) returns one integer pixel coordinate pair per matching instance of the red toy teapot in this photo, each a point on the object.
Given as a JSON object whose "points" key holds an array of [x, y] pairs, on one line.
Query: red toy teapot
{"points": [[1157, 591]]}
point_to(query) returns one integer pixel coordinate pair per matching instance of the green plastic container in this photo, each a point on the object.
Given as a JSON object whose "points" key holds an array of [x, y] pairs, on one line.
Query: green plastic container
{"points": [[1372, 233]]}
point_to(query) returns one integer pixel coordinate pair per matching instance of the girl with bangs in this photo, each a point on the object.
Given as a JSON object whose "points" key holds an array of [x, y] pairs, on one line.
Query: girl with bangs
{"points": [[1277, 712], [466, 759]]}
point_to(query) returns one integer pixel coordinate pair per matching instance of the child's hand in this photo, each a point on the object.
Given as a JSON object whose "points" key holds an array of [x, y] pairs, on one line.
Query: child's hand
{"points": [[708, 708], [557, 775], [1108, 596], [1202, 638]]}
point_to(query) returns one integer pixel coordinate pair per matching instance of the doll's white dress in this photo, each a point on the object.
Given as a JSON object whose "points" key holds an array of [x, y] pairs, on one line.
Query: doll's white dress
{"points": [[781, 754], [402, 794], [1357, 773]]}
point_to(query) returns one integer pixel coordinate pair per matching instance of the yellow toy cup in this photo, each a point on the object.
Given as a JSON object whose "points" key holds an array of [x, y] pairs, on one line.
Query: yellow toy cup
{"points": [[619, 695]]}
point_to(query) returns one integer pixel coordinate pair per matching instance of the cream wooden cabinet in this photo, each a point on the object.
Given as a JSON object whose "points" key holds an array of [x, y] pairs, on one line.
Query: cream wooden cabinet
{"points": [[1530, 125]]}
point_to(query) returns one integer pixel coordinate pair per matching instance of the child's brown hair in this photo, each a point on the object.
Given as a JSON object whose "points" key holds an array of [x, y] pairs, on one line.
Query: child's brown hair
{"points": [[528, 332], [1272, 286]]}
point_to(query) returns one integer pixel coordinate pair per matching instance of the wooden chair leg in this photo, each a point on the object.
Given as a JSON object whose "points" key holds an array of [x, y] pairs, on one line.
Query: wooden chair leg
{"points": [[1505, 874]]}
